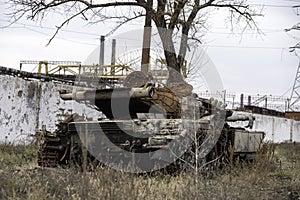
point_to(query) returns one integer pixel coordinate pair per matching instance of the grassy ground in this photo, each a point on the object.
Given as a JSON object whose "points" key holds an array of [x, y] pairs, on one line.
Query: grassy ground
{"points": [[274, 175]]}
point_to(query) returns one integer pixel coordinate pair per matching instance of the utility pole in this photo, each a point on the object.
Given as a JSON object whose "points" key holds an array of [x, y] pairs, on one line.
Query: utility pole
{"points": [[147, 39], [295, 96]]}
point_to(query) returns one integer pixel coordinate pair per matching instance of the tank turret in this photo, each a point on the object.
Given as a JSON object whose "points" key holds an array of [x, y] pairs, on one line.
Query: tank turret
{"points": [[127, 102]]}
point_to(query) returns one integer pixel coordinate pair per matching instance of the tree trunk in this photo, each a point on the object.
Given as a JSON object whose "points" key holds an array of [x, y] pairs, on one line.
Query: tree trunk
{"points": [[170, 54], [183, 45]]}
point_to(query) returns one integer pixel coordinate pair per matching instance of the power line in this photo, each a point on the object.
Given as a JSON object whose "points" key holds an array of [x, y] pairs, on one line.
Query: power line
{"points": [[292, 0], [248, 33], [69, 40], [284, 94], [27, 26], [213, 46], [245, 47], [94, 34], [50, 28], [273, 5]]}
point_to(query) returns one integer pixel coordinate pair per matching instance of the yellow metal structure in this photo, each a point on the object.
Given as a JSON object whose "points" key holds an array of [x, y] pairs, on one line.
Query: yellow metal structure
{"points": [[41, 63], [104, 71], [46, 64], [75, 68]]}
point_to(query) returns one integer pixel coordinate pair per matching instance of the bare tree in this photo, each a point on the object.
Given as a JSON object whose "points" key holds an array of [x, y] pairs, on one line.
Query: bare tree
{"points": [[184, 19]]}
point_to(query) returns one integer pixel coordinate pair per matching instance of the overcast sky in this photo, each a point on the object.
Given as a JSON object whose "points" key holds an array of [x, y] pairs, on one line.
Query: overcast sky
{"points": [[253, 64]]}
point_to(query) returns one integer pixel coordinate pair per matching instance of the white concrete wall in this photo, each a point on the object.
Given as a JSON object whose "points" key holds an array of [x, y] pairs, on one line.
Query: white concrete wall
{"points": [[277, 129], [27, 105], [22, 112]]}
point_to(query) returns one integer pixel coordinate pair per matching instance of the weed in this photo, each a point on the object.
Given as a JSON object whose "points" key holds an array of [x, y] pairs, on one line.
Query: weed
{"points": [[275, 174]]}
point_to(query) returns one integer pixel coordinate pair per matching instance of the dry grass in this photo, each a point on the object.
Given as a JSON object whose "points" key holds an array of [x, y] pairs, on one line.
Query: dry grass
{"points": [[272, 176]]}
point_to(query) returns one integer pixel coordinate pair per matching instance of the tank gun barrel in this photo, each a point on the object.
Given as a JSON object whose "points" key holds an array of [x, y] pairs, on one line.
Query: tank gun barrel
{"points": [[106, 94]]}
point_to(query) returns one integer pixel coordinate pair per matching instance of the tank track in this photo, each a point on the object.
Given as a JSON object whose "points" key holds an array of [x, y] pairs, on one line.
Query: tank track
{"points": [[54, 147], [49, 152]]}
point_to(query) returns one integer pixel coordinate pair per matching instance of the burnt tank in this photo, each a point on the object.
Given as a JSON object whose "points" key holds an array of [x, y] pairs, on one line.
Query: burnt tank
{"points": [[147, 128]]}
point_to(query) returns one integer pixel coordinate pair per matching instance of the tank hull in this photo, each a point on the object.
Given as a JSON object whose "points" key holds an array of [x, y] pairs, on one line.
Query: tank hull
{"points": [[111, 141]]}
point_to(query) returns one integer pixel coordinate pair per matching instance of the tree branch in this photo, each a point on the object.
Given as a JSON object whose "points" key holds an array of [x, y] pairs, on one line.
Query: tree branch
{"points": [[122, 23], [64, 23], [178, 7], [173, 18]]}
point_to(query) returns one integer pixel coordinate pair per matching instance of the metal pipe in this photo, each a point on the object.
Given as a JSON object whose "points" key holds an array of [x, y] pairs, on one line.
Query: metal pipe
{"points": [[113, 56], [242, 102], [113, 52], [101, 58], [249, 100]]}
